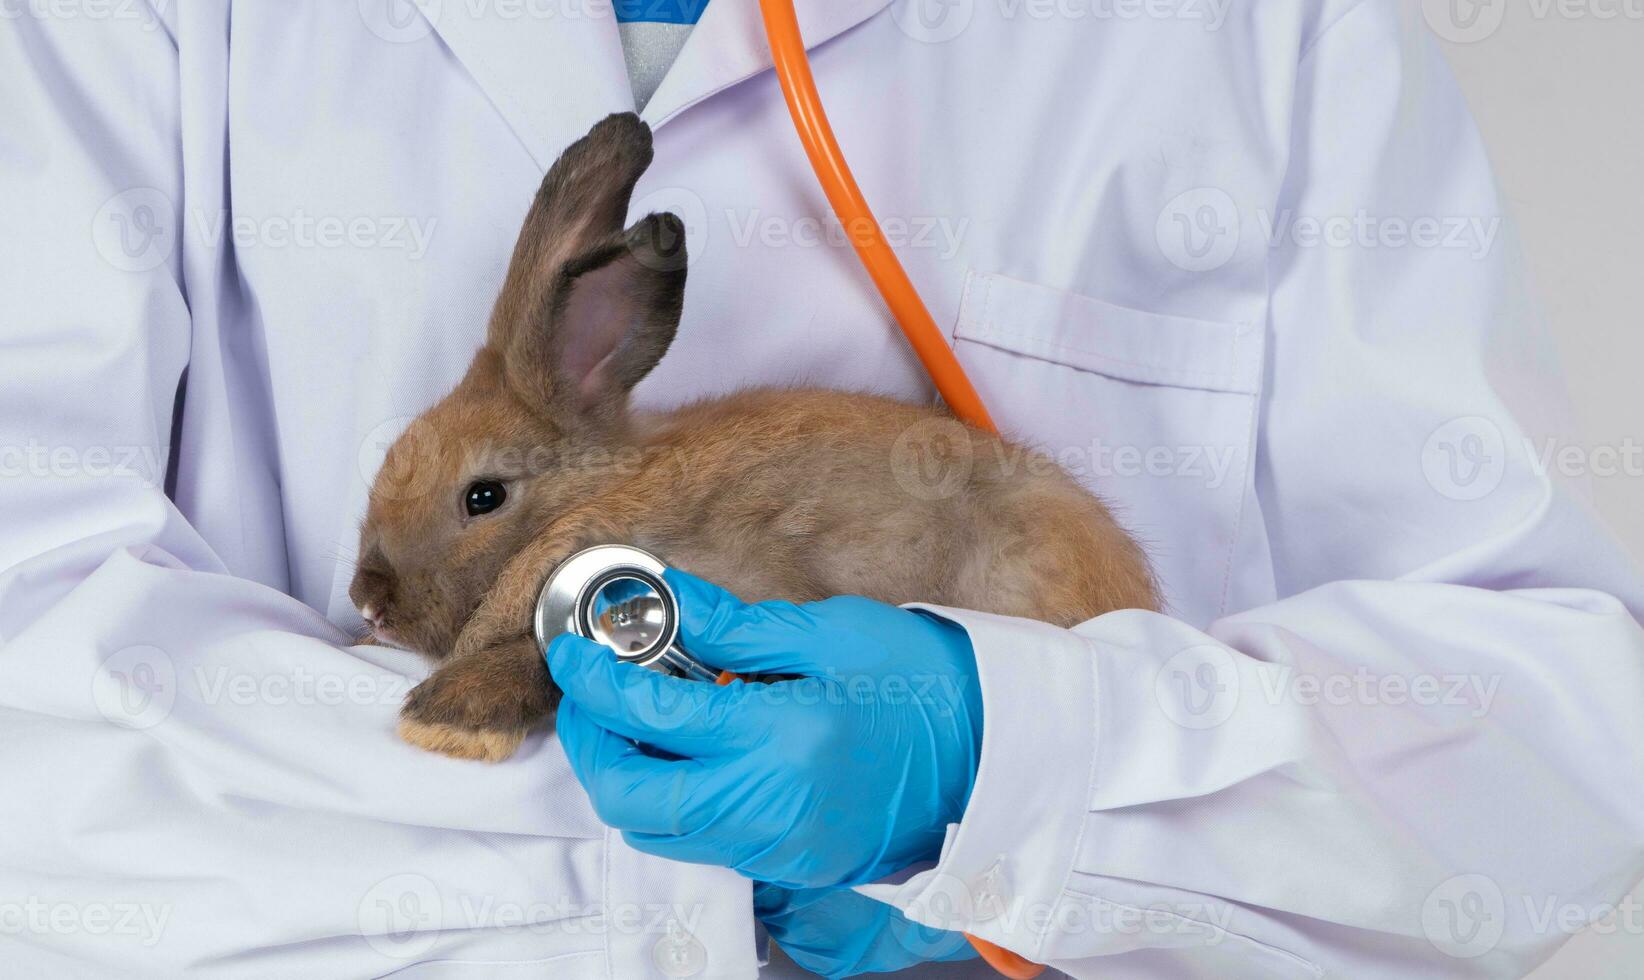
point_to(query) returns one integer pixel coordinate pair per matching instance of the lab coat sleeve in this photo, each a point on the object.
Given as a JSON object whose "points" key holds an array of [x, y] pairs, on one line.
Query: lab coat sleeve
{"points": [[200, 775], [1427, 757]]}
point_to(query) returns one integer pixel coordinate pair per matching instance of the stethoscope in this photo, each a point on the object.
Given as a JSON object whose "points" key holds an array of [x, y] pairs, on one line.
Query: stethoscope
{"points": [[810, 121], [616, 594]]}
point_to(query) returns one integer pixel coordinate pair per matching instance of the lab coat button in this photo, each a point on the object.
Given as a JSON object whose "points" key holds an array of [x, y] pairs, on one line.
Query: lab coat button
{"points": [[679, 954]]}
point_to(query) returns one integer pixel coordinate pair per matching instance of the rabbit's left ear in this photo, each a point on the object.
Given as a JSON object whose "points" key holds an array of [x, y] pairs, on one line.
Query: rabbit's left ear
{"points": [[614, 313], [579, 207]]}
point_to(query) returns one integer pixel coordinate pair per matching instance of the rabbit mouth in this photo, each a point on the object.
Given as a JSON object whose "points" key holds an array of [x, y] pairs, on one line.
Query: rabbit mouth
{"points": [[381, 635], [385, 637]]}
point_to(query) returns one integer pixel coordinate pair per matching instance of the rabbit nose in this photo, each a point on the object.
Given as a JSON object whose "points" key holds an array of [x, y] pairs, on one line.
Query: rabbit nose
{"points": [[372, 590]]}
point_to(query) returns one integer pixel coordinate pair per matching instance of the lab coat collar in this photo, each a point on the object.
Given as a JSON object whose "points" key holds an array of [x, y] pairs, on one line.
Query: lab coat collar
{"points": [[728, 46], [553, 77]]}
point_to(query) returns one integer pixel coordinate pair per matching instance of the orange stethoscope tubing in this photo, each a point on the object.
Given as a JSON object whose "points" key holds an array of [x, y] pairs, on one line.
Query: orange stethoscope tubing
{"points": [[810, 121], [793, 70]]}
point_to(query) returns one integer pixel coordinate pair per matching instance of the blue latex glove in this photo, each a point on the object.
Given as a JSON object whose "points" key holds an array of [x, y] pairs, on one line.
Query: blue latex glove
{"points": [[838, 933], [848, 773]]}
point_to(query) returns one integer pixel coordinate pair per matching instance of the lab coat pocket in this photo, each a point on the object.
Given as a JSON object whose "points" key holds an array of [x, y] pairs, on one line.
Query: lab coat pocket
{"points": [[1155, 413]]}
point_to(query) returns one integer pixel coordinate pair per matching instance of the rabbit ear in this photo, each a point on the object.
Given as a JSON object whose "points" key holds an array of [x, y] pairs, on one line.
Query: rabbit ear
{"points": [[614, 312], [580, 206]]}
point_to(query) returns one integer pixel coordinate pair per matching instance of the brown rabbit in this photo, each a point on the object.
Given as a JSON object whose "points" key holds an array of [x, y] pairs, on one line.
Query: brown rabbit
{"points": [[790, 494]]}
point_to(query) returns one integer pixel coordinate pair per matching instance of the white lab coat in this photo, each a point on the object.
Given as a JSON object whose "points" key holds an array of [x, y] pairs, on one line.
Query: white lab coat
{"points": [[1390, 719]]}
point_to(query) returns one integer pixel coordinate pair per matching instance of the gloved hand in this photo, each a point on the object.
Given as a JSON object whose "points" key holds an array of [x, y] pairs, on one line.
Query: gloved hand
{"points": [[838, 933], [848, 773]]}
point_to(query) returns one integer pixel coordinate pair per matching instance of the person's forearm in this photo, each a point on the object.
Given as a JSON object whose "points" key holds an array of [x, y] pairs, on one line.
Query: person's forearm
{"points": [[1303, 788]]}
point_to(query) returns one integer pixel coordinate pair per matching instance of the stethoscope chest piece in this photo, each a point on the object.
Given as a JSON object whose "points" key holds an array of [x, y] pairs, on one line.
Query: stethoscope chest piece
{"points": [[616, 596]]}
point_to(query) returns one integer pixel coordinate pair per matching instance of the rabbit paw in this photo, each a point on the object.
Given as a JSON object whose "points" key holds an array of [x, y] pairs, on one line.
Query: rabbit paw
{"points": [[459, 742], [480, 707]]}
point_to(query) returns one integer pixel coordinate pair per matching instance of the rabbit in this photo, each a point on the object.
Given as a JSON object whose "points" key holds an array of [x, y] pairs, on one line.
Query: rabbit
{"points": [[794, 494]]}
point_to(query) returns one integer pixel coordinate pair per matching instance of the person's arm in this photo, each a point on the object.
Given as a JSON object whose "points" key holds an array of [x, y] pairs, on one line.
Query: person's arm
{"points": [[1426, 760], [1435, 739], [199, 775]]}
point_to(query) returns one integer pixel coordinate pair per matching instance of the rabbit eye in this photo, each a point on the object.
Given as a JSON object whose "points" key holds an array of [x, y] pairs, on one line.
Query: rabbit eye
{"points": [[483, 497]]}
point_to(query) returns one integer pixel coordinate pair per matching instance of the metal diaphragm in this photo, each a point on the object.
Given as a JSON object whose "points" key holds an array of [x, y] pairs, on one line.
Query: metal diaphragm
{"points": [[616, 596]]}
